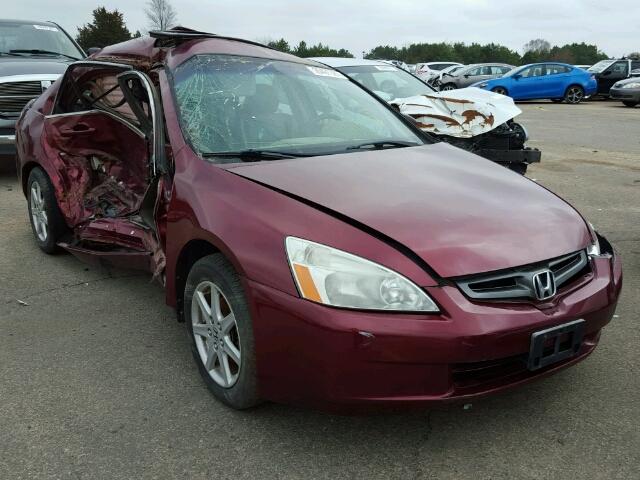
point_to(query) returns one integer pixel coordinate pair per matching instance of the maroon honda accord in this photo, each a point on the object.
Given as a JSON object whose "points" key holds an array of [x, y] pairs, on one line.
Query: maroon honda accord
{"points": [[321, 249]]}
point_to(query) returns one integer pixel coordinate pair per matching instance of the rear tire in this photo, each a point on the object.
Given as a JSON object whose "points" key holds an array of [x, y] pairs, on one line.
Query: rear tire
{"points": [[47, 222], [500, 90], [574, 94], [630, 104], [221, 340]]}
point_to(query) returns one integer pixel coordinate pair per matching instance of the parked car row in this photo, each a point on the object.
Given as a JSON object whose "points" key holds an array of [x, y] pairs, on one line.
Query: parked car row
{"points": [[545, 80], [322, 248]]}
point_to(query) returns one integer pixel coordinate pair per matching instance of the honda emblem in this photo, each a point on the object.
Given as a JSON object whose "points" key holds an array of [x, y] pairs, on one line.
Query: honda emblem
{"points": [[544, 285]]}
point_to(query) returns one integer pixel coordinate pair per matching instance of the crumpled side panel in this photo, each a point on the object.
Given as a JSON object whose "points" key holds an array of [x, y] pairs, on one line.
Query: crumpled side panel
{"points": [[104, 172]]}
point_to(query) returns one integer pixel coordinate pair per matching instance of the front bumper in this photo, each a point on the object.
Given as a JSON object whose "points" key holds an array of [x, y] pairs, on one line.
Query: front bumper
{"points": [[7, 137], [339, 360], [625, 94]]}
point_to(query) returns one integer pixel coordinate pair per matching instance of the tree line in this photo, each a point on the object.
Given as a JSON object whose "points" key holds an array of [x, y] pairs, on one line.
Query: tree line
{"points": [[535, 51], [109, 27]]}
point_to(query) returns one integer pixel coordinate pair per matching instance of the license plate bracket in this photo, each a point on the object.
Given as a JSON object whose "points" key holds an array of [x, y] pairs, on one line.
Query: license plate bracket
{"points": [[555, 344]]}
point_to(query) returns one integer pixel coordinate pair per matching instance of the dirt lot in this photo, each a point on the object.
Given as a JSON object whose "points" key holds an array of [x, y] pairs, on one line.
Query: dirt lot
{"points": [[97, 380]]}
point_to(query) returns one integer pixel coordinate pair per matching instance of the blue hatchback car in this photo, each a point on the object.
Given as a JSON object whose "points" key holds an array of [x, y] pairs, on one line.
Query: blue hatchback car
{"points": [[556, 81]]}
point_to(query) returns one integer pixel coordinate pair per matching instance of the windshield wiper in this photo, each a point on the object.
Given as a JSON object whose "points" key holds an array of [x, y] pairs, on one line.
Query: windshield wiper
{"points": [[383, 144], [13, 54], [254, 155], [44, 52]]}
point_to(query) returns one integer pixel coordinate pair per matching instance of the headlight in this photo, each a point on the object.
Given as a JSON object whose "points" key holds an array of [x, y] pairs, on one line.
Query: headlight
{"points": [[631, 85], [333, 277], [482, 85], [593, 250]]}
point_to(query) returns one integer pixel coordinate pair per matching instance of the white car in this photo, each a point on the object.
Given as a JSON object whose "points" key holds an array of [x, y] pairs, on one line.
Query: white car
{"points": [[469, 118], [426, 71]]}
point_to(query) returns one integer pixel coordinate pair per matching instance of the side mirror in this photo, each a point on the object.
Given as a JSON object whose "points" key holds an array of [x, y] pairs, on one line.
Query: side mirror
{"points": [[517, 76], [607, 73], [466, 75], [93, 50]]}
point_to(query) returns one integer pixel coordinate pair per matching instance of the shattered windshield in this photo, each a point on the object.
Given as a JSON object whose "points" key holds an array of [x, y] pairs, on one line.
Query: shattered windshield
{"points": [[600, 66], [392, 81], [236, 104]]}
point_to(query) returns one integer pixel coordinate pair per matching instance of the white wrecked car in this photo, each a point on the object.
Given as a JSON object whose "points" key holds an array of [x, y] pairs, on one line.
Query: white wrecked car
{"points": [[469, 118]]}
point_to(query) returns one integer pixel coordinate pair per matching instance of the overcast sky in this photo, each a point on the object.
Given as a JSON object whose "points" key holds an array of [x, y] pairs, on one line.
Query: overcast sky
{"points": [[360, 25]]}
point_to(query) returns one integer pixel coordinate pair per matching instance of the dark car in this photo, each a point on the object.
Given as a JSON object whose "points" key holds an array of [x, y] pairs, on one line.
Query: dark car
{"points": [[609, 72], [321, 249], [627, 91], [32, 56], [555, 81]]}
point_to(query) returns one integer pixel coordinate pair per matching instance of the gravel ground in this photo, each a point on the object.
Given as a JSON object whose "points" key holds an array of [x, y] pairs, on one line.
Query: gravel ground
{"points": [[97, 380]]}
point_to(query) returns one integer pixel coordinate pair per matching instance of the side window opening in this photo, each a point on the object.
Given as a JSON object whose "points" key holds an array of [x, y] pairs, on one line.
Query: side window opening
{"points": [[90, 88]]}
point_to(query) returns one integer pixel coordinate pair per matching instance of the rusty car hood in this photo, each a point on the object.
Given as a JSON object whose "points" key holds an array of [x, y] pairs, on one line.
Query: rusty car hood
{"points": [[462, 214], [463, 113]]}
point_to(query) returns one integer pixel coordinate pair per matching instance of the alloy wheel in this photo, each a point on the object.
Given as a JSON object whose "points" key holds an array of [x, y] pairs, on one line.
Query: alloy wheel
{"points": [[38, 212], [447, 88], [500, 90], [216, 334], [575, 95]]}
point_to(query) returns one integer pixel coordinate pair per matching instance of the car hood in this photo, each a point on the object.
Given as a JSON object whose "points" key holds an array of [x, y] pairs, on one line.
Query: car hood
{"points": [[626, 81], [462, 214], [32, 66], [462, 113]]}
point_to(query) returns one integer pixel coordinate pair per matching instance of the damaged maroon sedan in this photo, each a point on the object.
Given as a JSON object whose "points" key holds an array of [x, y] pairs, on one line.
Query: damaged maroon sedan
{"points": [[320, 248]]}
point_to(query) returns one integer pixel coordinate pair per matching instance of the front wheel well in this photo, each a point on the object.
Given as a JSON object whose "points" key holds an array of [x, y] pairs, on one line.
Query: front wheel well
{"points": [[190, 254], [24, 174]]}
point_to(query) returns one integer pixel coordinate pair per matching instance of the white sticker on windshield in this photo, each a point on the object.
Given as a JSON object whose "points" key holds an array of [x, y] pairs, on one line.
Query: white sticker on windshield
{"points": [[45, 27], [386, 68], [325, 72]]}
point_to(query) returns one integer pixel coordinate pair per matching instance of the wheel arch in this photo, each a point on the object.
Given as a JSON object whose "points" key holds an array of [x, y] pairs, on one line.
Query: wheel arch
{"points": [[26, 171], [191, 252], [574, 84], [506, 90]]}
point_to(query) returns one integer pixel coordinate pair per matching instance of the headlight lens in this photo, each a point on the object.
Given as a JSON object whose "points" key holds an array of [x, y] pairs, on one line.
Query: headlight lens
{"points": [[594, 249], [631, 85], [332, 277], [483, 85]]}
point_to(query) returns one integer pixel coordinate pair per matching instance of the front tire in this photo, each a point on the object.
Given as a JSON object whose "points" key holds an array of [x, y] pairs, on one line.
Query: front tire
{"points": [[500, 90], [47, 223], [448, 87], [574, 94], [221, 331], [630, 104]]}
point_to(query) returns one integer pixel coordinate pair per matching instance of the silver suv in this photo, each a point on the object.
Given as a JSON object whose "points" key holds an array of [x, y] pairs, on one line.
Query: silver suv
{"points": [[32, 56], [471, 74]]}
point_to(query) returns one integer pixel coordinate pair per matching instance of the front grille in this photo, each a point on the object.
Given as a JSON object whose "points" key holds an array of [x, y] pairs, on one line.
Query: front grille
{"points": [[518, 283], [470, 375], [15, 95], [32, 89]]}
